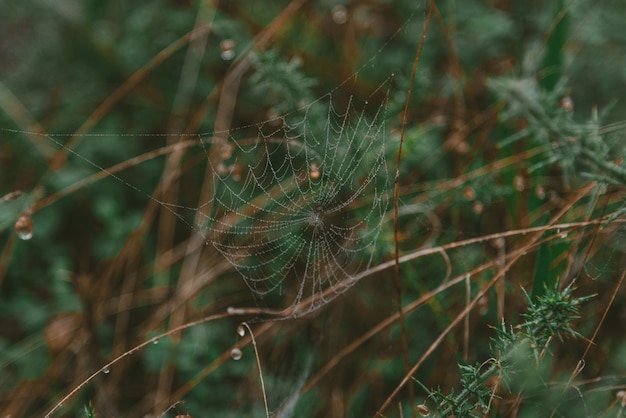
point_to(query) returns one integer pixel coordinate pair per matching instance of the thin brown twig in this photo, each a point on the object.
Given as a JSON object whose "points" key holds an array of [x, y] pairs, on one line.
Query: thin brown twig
{"points": [[125, 88], [111, 171], [258, 362], [466, 323], [22, 117], [304, 305], [388, 322], [169, 186], [595, 332], [398, 284], [391, 319], [530, 242], [225, 356], [107, 366]]}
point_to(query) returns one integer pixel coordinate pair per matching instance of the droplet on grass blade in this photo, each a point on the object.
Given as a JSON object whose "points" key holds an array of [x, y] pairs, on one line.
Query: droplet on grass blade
{"points": [[24, 227], [235, 354], [241, 330], [423, 410], [227, 47], [469, 193]]}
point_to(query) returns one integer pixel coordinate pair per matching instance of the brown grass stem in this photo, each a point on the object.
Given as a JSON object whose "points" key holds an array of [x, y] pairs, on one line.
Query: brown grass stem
{"points": [[398, 283]]}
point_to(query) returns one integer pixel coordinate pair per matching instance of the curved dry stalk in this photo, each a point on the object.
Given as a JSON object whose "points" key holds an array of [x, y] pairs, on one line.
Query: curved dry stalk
{"points": [[396, 190], [258, 362], [538, 231], [590, 342], [107, 366], [390, 320], [306, 304], [224, 357], [532, 240]]}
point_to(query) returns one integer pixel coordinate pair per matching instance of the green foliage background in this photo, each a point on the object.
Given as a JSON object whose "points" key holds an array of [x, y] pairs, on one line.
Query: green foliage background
{"points": [[516, 108]]}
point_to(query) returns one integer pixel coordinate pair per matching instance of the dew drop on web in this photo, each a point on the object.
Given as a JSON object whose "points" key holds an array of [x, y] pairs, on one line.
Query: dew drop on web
{"points": [[314, 171], [106, 370], [235, 354], [24, 227]]}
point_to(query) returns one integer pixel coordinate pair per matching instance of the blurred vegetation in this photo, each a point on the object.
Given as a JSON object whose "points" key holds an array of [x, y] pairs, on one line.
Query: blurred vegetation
{"points": [[511, 206]]}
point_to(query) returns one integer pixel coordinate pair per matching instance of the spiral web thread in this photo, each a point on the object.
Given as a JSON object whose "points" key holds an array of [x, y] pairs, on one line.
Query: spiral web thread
{"points": [[299, 211]]}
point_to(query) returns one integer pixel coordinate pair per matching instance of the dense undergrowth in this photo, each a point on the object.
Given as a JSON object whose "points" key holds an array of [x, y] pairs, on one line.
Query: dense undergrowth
{"points": [[199, 214]]}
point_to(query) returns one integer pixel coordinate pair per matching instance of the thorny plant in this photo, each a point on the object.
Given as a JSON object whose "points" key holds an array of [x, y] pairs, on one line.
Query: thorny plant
{"points": [[517, 352], [229, 135]]}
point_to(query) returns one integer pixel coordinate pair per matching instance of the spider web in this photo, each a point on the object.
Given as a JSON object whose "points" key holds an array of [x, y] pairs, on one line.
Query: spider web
{"points": [[298, 211]]}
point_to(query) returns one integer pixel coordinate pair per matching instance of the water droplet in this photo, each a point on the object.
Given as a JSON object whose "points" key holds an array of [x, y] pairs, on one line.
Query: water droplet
{"points": [[423, 410], [236, 172], [564, 235], [226, 150], [155, 342], [478, 207], [314, 171], [340, 15], [227, 47], [106, 370], [540, 192], [469, 193], [235, 354], [221, 169], [499, 243], [241, 330], [567, 103], [24, 227]]}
